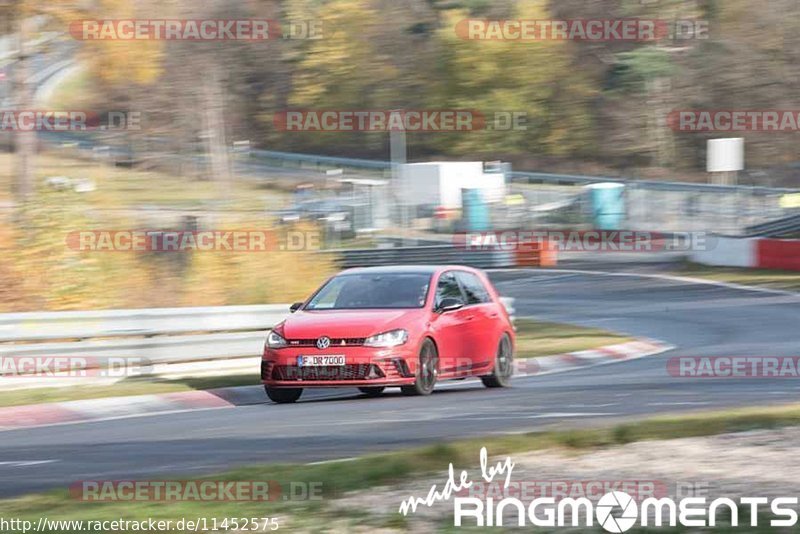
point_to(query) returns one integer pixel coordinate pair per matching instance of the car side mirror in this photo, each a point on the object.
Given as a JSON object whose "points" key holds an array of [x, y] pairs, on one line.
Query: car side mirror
{"points": [[296, 306], [450, 304]]}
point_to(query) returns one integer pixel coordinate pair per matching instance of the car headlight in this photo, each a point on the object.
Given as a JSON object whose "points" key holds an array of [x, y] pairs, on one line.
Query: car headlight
{"points": [[387, 339], [275, 340]]}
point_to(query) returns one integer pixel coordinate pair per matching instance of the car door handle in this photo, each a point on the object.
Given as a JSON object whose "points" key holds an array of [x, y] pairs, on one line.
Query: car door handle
{"points": [[469, 317]]}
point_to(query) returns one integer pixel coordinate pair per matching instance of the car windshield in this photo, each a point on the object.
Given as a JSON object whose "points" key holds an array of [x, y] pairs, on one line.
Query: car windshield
{"points": [[372, 291]]}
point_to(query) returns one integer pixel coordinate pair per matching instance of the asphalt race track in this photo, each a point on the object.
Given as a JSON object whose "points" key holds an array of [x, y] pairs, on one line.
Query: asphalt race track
{"points": [[699, 319]]}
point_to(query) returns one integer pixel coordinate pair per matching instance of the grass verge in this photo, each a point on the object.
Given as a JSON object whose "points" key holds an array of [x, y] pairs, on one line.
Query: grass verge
{"points": [[538, 338], [119, 188], [76, 91], [534, 338], [337, 478], [789, 280]]}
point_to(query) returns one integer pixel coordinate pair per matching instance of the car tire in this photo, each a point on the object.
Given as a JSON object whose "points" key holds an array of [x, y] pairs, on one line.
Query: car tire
{"points": [[503, 366], [283, 395], [427, 371], [372, 392]]}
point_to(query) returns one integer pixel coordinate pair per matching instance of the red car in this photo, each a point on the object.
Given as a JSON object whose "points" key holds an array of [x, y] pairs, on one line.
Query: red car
{"points": [[406, 326]]}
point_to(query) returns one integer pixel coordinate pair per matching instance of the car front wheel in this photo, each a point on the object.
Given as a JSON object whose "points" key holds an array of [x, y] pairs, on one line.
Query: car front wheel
{"points": [[503, 366], [283, 395], [427, 371]]}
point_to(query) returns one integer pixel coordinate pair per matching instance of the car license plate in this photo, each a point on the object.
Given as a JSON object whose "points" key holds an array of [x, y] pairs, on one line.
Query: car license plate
{"points": [[320, 361]]}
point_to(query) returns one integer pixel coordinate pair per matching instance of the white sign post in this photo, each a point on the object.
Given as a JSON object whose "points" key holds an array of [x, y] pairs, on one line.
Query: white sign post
{"points": [[398, 155], [725, 159]]}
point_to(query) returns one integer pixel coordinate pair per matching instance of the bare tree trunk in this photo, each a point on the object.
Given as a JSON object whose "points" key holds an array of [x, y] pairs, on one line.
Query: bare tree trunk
{"points": [[25, 142], [658, 91], [214, 103]]}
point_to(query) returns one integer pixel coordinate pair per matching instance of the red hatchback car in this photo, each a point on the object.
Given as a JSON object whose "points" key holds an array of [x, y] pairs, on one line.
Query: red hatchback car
{"points": [[406, 326]]}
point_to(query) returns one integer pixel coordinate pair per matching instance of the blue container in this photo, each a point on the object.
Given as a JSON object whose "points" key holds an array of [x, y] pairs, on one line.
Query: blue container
{"points": [[475, 211], [608, 205]]}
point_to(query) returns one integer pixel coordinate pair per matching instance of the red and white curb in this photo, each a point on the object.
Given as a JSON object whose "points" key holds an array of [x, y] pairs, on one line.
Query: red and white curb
{"points": [[84, 411], [621, 352], [105, 409]]}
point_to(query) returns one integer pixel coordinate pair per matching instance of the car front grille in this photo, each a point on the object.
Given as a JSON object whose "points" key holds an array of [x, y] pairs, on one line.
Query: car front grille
{"points": [[328, 372], [335, 342]]}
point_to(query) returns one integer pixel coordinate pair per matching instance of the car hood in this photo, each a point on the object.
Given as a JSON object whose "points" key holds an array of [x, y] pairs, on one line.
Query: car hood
{"points": [[347, 323]]}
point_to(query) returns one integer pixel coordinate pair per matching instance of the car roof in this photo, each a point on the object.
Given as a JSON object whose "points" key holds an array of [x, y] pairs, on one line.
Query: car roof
{"points": [[406, 269]]}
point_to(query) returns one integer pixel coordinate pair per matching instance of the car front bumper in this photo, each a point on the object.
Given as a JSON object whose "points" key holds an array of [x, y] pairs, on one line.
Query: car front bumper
{"points": [[364, 367]]}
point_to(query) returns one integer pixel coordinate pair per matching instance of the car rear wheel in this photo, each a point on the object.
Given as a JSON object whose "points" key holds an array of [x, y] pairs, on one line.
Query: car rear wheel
{"points": [[427, 371], [503, 366], [372, 392], [283, 395]]}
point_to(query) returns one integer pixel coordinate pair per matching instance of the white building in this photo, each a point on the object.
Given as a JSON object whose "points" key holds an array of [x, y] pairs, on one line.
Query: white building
{"points": [[441, 183]]}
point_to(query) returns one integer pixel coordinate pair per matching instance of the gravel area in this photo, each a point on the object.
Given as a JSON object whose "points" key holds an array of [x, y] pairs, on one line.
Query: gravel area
{"points": [[764, 463]]}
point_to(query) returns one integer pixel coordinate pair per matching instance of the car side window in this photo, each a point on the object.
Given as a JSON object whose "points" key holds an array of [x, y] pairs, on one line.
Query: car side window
{"points": [[473, 288], [447, 287]]}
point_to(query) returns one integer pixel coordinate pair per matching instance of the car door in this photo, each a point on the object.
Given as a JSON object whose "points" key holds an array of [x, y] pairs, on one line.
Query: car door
{"points": [[451, 329], [480, 313]]}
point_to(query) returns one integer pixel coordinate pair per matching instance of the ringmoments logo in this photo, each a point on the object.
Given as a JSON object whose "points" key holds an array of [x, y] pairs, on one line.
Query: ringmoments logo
{"points": [[615, 511]]}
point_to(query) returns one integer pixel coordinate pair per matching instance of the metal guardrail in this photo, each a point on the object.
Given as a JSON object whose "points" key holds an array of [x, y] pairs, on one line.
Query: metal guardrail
{"points": [[777, 228], [508, 302], [568, 179], [156, 350], [221, 333], [332, 162], [320, 161], [153, 336], [525, 177], [426, 255], [144, 322]]}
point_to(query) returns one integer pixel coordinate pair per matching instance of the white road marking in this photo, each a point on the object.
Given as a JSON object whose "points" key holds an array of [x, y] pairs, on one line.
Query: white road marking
{"points": [[26, 463], [684, 403], [592, 405], [336, 461], [457, 383], [571, 414]]}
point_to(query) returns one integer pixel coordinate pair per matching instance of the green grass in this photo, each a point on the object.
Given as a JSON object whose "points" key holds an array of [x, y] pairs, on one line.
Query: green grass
{"points": [[533, 339], [337, 478], [75, 92], [537, 338], [774, 279], [120, 188]]}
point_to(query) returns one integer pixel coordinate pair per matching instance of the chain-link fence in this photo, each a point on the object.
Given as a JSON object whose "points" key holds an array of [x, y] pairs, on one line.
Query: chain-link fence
{"points": [[655, 206]]}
